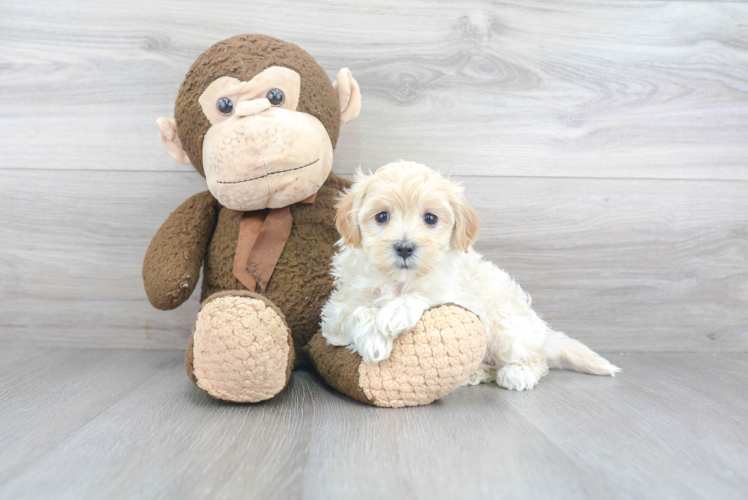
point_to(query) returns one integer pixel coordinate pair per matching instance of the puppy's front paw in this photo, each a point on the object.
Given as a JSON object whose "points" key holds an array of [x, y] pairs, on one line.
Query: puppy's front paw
{"points": [[374, 348], [516, 378], [367, 341], [400, 316]]}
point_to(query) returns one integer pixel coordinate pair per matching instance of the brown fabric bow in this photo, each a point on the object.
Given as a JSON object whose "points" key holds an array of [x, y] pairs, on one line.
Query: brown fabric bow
{"points": [[262, 237]]}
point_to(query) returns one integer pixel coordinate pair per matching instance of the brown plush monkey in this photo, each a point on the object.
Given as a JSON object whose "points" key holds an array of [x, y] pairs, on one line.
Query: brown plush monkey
{"points": [[259, 118]]}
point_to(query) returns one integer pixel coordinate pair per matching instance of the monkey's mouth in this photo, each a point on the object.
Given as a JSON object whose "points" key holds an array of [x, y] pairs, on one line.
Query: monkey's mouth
{"points": [[269, 174]]}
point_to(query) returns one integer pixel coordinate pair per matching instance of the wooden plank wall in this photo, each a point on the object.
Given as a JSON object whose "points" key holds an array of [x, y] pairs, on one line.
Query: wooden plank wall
{"points": [[605, 145]]}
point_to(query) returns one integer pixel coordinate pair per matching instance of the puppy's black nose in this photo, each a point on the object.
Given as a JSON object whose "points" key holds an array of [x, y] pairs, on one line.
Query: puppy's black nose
{"points": [[404, 249]]}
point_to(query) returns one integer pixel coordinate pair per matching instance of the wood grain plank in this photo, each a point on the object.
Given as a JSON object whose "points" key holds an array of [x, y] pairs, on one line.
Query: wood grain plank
{"points": [[658, 434], [46, 398], [170, 440], [470, 444], [71, 257], [620, 264], [16, 355], [629, 89], [669, 426], [663, 265], [480, 442]]}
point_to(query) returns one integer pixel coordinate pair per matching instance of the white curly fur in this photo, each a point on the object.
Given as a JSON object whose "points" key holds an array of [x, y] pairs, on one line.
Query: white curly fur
{"points": [[378, 294]]}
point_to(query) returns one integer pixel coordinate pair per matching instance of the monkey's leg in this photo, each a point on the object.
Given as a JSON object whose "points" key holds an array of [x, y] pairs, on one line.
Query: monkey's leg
{"points": [[436, 357], [241, 349]]}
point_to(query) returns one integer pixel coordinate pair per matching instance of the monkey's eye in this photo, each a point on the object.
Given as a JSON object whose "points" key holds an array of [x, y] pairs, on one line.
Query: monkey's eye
{"points": [[225, 106], [276, 97], [430, 219], [382, 217]]}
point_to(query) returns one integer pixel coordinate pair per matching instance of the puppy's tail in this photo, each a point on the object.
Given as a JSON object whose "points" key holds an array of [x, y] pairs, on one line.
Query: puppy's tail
{"points": [[580, 357]]}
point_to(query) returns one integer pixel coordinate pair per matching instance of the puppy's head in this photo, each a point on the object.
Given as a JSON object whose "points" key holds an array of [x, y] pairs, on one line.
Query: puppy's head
{"points": [[406, 216]]}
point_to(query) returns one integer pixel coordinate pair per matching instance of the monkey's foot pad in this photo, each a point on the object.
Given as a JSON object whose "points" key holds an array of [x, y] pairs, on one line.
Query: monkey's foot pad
{"points": [[241, 349], [427, 363]]}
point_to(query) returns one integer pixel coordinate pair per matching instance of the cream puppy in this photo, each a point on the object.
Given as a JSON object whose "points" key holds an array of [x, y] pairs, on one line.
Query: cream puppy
{"points": [[406, 246]]}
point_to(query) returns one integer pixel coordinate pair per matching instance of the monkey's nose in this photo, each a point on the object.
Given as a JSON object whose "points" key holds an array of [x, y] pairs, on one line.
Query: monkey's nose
{"points": [[247, 108], [404, 249]]}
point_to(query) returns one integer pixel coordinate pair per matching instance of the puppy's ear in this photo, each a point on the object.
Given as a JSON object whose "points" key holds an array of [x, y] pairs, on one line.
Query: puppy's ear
{"points": [[466, 224], [346, 218]]}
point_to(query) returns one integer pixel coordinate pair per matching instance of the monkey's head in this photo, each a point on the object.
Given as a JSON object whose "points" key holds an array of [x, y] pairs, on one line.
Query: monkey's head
{"points": [[259, 118]]}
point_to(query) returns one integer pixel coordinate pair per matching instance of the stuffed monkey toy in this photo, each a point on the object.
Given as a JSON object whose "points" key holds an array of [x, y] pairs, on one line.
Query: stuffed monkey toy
{"points": [[259, 119]]}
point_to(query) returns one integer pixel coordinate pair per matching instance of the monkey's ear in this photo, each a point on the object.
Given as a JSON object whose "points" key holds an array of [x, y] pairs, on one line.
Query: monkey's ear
{"points": [[167, 131], [349, 95]]}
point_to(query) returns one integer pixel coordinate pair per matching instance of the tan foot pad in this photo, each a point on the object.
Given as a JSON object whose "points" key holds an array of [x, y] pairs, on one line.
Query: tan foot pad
{"points": [[241, 349], [429, 362], [432, 360]]}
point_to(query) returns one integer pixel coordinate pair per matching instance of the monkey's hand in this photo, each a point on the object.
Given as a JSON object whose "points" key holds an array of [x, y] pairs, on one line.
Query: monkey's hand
{"points": [[172, 263]]}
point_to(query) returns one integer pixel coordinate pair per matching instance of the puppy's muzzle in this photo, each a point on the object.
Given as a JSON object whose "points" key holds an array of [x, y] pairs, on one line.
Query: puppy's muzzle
{"points": [[404, 250]]}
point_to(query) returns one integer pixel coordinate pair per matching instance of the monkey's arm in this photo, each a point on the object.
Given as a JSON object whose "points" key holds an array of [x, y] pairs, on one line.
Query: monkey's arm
{"points": [[172, 263]]}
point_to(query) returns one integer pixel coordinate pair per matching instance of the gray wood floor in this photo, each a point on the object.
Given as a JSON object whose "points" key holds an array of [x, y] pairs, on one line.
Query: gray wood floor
{"points": [[110, 423]]}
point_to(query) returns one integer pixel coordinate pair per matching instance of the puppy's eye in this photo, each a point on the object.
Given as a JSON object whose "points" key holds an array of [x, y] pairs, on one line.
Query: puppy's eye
{"points": [[225, 106], [430, 219], [276, 97], [382, 217]]}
